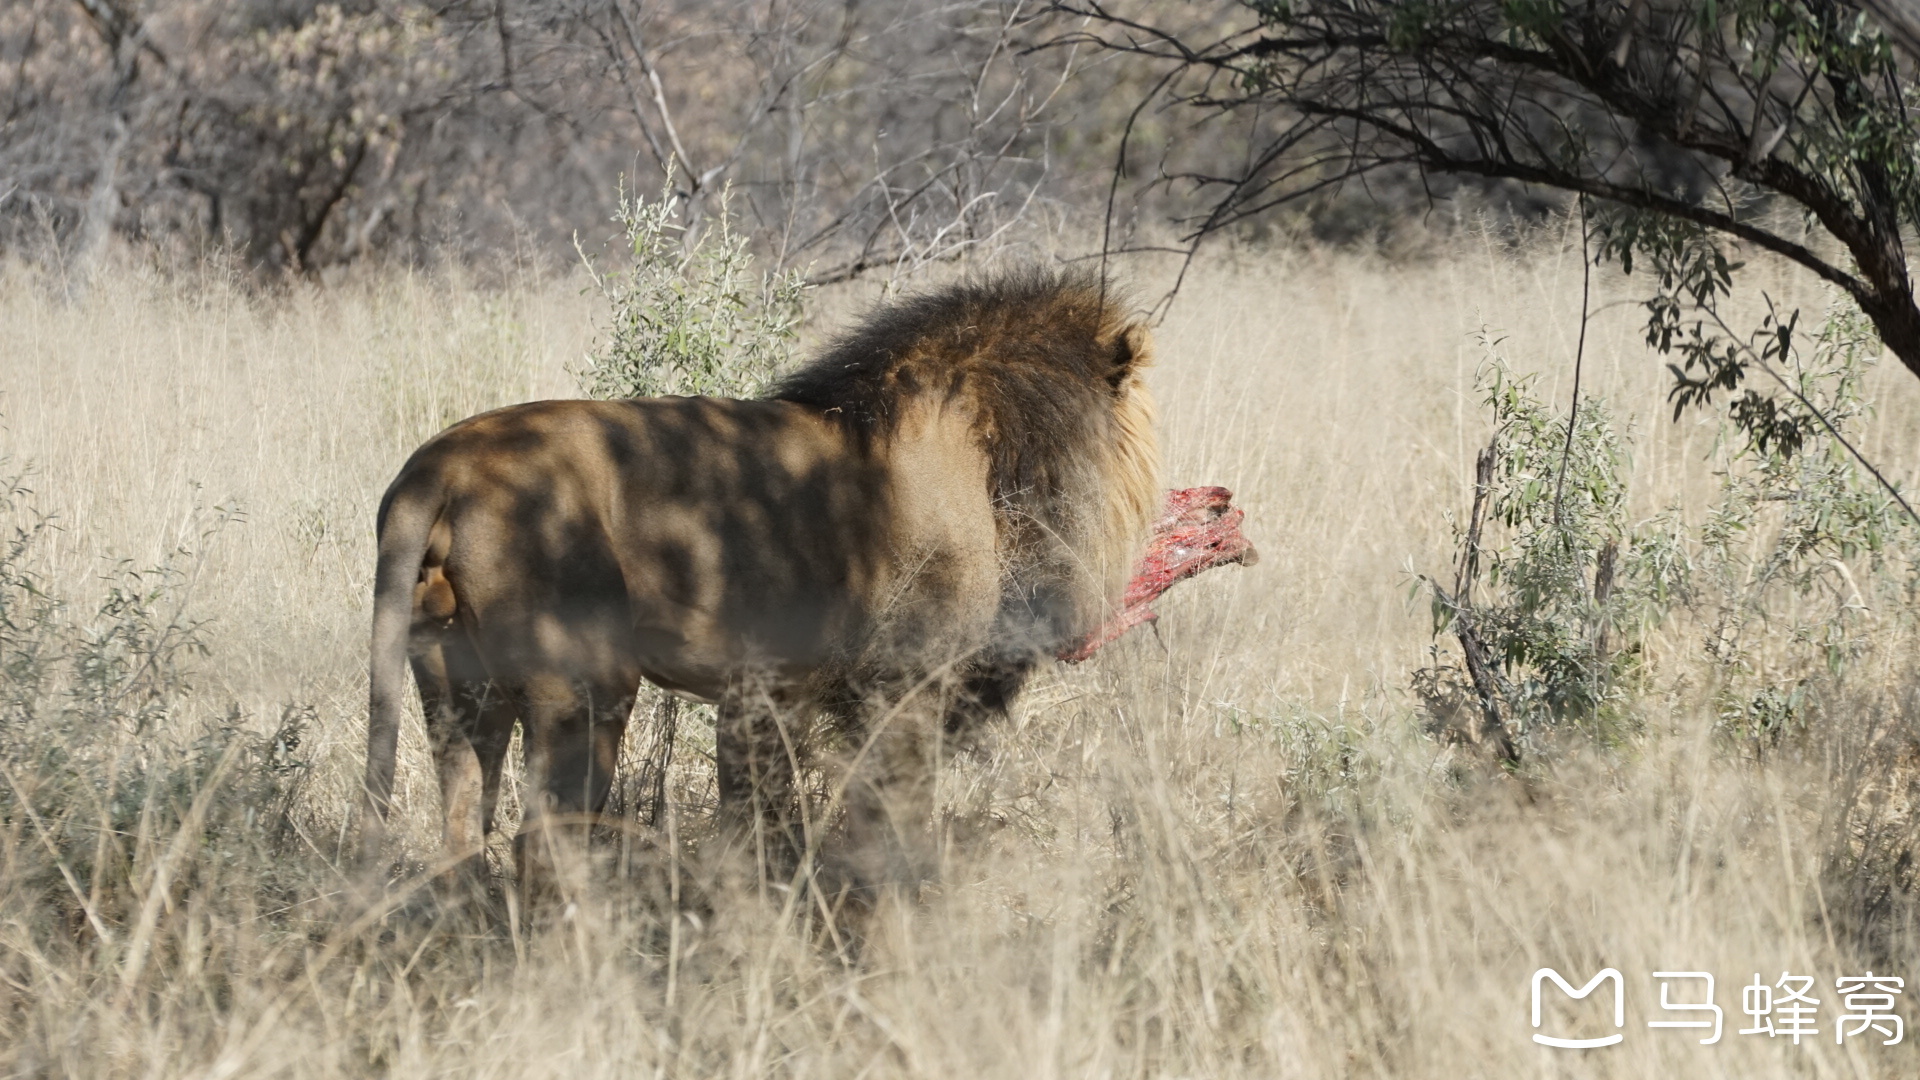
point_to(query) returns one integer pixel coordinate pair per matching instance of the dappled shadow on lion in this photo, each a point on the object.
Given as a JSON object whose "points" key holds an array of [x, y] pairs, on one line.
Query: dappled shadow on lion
{"points": [[880, 552]]}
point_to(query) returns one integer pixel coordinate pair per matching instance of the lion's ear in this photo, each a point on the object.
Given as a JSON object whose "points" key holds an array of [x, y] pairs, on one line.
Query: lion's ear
{"points": [[1132, 350]]}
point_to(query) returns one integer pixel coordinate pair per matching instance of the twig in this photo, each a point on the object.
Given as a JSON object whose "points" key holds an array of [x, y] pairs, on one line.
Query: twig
{"points": [[1842, 439], [1579, 355], [661, 759], [86, 905], [1119, 171], [1479, 659], [1603, 570], [1761, 362]]}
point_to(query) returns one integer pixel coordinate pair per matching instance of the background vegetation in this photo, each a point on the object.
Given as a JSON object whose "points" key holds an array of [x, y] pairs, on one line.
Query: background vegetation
{"points": [[1541, 665], [1243, 847], [305, 135]]}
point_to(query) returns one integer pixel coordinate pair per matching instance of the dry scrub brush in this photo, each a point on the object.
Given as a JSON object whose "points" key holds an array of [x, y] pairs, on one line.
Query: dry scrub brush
{"points": [[1228, 848]]}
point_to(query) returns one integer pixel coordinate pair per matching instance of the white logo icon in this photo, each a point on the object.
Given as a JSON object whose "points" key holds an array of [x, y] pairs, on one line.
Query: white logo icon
{"points": [[1619, 1007]]}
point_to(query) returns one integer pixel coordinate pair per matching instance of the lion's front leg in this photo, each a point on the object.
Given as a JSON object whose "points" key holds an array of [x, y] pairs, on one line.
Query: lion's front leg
{"points": [[756, 756], [889, 837]]}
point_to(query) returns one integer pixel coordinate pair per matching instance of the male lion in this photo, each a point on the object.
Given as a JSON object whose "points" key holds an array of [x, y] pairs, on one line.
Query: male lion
{"points": [[950, 493]]}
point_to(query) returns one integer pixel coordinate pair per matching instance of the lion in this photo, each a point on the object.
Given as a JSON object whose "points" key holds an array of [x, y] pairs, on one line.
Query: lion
{"points": [[892, 540]]}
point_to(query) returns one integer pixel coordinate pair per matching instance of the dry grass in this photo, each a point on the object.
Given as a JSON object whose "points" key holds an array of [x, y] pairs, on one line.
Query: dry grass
{"points": [[1226, 851]]}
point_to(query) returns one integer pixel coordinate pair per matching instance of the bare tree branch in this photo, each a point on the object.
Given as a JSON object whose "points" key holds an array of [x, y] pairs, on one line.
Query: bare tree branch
{"points": [[1718, 121]]}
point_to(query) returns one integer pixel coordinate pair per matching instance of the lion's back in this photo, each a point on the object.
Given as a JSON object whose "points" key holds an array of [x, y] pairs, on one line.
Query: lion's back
{"points": [[725, 532]]}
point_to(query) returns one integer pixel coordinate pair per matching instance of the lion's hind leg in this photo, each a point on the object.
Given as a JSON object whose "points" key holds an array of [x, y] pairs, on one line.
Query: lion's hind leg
{"points": [[574, 726], [469, 727]]}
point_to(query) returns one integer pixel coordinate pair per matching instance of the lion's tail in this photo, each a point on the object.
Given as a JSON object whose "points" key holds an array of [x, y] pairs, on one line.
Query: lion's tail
{"points": [[405, 529]]}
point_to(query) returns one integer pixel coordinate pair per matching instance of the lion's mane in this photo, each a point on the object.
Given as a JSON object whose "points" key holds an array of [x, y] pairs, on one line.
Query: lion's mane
{"points": [[1049, 364]]}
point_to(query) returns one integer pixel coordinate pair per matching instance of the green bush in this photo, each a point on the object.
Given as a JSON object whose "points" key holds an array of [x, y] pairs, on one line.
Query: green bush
{"points": [[117, 790], [1802, 564], [1562, 587], [1806, 562], [688, 312]]}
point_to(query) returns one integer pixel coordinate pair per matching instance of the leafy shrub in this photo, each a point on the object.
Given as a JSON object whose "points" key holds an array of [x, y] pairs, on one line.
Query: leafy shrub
{"points": [[1803, 562], [1571, 585], [689, 314], [1806, 560], [117, 793]]}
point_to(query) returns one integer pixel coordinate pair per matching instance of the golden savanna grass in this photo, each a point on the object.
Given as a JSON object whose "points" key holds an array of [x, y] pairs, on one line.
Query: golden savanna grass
{"points": [[1225, 848]]}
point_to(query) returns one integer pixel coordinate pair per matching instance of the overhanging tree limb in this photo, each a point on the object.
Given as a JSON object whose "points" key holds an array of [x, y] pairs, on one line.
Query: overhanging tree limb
{"points": [[1901, 20], [1719, 115]]}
